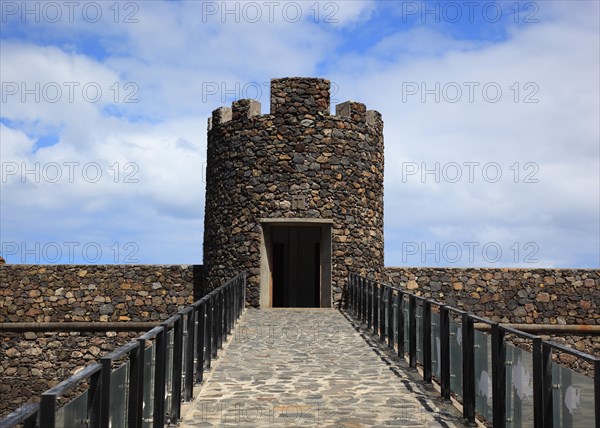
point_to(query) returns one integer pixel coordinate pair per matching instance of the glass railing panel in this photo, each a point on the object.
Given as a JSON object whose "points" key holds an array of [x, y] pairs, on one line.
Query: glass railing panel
{"points": [[456, 358], [519, 387], [119, 394], [148, 404], [435, 345], [572, 398], [483, 374], [74, 414], [419, 316]]}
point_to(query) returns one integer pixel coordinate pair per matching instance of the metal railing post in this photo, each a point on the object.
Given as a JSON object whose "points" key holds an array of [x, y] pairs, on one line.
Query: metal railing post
{"points": [[160, 378], [200, 343], [356, 296], [136, 385], [375, 308], [189, 355], [363, 298], [400, 324], [105, 400], [215, 323], [412, 331], [352, 301], [219, 319], [382, 305], [358, 291], [427, 341], [359, 281], [547, 404], [390, 318], [369, 306], [233, 311], [498, 377], [538, 383], [348, 302], [468, 368], [95, 399], [224, 317], [48, 410], [244, 291], [359, 303], [597, 391], [177, 369], [230, 308], [209, 332], [353, 284], [445, 352]]}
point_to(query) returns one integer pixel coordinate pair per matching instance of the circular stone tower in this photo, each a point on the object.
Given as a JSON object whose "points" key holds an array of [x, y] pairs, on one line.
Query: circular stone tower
{"points": [[294, 197]]}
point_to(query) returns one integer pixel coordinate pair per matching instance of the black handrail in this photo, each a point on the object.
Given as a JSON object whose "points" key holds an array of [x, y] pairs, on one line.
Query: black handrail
{"points": [[359, 296], [208, 322]]}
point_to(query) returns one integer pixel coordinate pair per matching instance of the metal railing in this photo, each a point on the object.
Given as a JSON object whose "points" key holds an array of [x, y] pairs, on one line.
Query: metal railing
{"points": [[153, 375], [525, 388]]}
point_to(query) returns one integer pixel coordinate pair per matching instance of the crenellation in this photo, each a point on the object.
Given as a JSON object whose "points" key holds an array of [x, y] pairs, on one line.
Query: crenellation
{"points": [[300, 96], [353, 110], [220, 116], [245, 108], [374, 118]]}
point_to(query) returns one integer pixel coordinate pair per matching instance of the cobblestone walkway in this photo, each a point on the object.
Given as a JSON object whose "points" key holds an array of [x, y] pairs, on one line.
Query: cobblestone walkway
{"points": [[310, 367]]}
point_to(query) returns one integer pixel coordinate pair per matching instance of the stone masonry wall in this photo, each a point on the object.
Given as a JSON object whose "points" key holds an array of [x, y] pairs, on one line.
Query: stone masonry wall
{"points": [[52, 293], [257, 163], [30, 363], [534, 296]]}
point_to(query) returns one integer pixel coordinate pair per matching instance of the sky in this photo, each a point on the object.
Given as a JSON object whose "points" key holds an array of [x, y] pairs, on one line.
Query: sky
{"points": [[491, 121]]}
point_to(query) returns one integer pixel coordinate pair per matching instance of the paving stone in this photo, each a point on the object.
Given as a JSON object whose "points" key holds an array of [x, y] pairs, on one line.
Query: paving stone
{"points": [[269, 378]]}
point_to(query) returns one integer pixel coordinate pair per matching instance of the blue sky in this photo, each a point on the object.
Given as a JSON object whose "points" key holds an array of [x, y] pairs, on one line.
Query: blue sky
{"points": [[491, 114]]}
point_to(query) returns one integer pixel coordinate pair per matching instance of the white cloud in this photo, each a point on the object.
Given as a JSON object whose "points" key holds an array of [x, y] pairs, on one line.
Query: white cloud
{"points": [[164, 133]]}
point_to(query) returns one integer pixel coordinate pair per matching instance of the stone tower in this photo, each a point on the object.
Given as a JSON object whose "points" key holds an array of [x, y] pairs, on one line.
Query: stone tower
{"points": [[294, 197]]}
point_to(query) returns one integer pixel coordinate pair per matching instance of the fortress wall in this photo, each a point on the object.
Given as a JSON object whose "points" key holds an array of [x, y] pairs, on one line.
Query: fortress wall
{"points": [[52, 293], [31, 363], [510, 295]]}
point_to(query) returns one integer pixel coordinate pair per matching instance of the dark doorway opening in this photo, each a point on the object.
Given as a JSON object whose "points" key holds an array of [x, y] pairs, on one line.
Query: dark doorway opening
{"points": [[296, 266]]}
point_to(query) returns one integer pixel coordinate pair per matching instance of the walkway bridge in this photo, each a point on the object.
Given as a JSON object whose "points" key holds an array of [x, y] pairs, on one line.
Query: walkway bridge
{"points": [[389, 358]]}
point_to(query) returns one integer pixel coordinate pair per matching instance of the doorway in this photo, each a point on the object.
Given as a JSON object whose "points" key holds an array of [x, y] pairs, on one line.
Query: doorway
{"points": [[295, 264], [296, 267]]}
